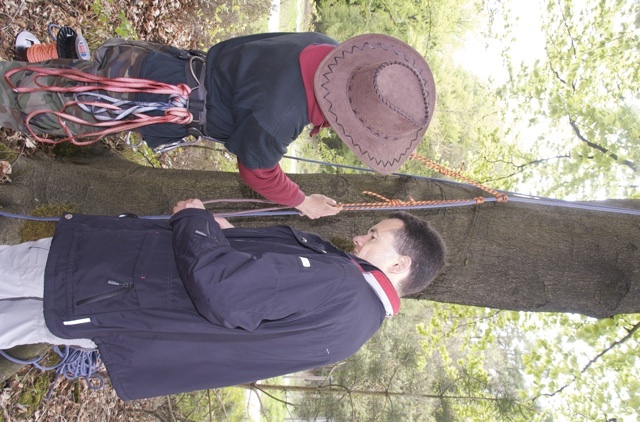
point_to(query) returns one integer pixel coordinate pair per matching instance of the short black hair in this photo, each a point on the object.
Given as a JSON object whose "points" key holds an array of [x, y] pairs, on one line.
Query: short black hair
{"points": [[423, 244]]}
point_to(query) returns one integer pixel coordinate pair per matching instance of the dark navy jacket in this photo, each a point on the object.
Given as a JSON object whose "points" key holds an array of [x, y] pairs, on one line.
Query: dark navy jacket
{"points": [[187, 306], [256, 99], [256, 102]]}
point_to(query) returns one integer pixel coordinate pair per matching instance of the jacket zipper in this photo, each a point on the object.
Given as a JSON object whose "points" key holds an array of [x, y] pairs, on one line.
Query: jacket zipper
{"points": [[122, 288]]}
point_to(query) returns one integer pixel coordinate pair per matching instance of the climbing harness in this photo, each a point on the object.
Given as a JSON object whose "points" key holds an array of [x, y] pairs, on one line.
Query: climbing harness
{"points": [[195, 71], [74, 363]]}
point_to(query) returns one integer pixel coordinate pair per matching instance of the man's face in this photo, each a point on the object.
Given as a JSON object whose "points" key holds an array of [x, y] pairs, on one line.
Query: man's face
{"points": [[376, 246]]}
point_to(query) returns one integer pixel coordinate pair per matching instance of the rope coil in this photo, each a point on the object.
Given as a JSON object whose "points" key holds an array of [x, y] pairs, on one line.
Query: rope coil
{"points": [[41, 52], [175, 110], [74, 363]]}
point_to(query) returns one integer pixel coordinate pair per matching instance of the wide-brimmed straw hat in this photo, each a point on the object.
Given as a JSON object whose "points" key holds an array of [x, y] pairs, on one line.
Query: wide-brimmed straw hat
{"points": [[378, 94]]}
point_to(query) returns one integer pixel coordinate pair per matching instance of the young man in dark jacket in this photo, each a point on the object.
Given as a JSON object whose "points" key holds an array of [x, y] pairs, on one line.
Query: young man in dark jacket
{"points": [[255, 94], [196, 303]]}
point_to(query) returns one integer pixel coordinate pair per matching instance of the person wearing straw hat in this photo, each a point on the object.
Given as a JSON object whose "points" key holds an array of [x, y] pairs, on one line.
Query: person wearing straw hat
{"points": [[257, 93], [196, 303]]}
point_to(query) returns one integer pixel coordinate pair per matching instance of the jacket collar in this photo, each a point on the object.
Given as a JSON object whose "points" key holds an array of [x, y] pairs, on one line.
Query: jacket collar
{"points": [[383, 288]]}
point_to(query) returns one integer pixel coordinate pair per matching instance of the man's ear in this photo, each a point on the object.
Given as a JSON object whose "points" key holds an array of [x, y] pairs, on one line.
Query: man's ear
{"points": [[402, 265]]}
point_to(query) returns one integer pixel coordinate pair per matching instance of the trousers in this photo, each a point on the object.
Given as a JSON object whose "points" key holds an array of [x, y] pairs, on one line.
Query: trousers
{"points": [[21, 297]]}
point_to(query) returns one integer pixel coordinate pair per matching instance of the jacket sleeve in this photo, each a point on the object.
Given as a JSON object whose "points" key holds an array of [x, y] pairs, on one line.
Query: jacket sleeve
{"points": [[239, 290]]}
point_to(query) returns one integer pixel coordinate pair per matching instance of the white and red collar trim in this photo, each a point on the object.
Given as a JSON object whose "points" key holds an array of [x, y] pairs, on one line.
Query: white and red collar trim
{"points": [[384, 290]]}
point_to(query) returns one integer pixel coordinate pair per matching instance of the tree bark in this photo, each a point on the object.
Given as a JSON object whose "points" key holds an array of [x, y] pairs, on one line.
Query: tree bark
{"points": [[515, 256]]}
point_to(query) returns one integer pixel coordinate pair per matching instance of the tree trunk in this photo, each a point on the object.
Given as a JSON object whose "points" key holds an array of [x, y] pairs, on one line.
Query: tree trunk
{"points": [[514, 256]]}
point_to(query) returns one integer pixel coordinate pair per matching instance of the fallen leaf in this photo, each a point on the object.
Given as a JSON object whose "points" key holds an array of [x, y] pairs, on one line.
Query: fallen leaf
{"points": [[5, 171], [28, 143]]}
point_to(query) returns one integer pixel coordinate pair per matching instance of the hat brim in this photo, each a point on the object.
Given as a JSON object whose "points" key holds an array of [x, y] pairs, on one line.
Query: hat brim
{"points": [[331, 90]]}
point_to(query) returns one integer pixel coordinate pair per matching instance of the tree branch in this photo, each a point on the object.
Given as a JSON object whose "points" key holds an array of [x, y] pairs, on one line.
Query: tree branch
{"points": [[254, 386], [520, 167], [475, 321], [600, 148], [263, 387], [630, 333], [566, 26], [555, 72]]}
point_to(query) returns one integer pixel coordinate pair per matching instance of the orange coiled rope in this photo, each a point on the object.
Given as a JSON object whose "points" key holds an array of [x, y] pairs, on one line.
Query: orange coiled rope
{"points": [[176, 113], [398, 203], [42, 52]]}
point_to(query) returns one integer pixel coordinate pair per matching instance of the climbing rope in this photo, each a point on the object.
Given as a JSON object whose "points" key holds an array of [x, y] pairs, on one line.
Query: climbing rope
{"points": [[74, 363], [388, 203], [110, 112]]}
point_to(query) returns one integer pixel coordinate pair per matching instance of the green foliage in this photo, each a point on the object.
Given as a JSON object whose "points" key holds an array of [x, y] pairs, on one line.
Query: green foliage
{"points": [[389, 362], [7, 154], [583, 366], [36, 390], [98, 10], [124, 28], [446, 369], [141, 153], [476, 372], [583, 98], [329, 148], [221, 404], [543, 366], [432, 23], [237, 17], [35, 386], [105, 27]]}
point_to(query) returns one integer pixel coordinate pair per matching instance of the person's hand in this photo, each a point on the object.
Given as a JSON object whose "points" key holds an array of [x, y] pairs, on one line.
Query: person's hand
{"points": [[224, 224], [188, 203], [316, 206]]}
